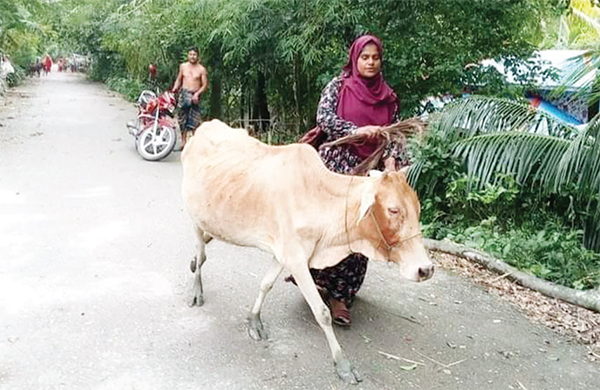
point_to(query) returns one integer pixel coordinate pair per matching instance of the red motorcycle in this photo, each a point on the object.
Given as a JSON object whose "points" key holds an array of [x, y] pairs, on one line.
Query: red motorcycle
{"points": [[154, 129]]}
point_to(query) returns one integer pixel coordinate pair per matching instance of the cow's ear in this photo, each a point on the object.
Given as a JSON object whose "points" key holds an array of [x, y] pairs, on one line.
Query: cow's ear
{"points": [[366, 202], [375, 173]]}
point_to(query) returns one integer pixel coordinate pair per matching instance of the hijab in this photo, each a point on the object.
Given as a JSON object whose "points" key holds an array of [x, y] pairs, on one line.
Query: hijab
{"points": [[365, 101]]}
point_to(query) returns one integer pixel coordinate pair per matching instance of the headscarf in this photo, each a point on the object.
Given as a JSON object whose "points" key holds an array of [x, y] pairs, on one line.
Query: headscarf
{"points": [[365, 101]]}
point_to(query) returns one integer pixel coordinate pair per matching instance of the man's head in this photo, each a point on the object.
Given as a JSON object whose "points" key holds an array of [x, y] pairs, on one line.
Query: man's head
{"points": [[193, 55]]}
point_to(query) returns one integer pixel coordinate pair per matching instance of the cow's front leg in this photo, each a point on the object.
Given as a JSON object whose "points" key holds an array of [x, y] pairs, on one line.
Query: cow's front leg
{"points": [[196, 267], [256, 329], [323, 316]]}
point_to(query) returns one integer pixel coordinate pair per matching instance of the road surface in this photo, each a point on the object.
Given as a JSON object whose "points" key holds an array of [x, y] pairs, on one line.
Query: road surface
{"points": [[94, 279]]}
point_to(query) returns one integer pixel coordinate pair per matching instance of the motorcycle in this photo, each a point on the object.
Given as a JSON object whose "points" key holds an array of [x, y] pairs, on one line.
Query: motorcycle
{"points": [[154, 128]]}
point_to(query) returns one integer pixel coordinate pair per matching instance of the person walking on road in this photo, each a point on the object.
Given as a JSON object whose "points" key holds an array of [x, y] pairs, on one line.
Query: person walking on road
{"points": [[191, 82], [47, 64], [357, 101]]}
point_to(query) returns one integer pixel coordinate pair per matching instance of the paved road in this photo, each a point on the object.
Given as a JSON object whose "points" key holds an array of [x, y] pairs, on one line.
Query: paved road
{"points": [[94, 278]]}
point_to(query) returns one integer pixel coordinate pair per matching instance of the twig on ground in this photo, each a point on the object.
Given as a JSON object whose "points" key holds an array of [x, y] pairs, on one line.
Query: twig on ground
{"points": [[500, 277], [592, 353], [457, 362], [521, 385], [433, 360], [390, 356], [401, 316], [440, 363]]}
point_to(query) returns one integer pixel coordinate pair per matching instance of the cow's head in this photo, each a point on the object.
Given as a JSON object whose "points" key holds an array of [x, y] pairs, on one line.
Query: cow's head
{"points": [[389, 220]]}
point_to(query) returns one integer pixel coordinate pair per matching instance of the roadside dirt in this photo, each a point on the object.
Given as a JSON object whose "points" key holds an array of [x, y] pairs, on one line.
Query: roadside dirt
{"points": [[564, 318]]}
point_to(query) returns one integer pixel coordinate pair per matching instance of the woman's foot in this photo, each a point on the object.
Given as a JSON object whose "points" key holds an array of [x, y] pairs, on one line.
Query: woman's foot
{"points": [[339, 313]]}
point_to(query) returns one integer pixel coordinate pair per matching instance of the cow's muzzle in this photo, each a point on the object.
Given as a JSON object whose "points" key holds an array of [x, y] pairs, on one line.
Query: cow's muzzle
{"points": [[426, 272]]}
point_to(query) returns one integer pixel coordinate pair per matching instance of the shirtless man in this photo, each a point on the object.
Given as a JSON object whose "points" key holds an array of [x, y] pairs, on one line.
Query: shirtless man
{"points": [[191, 82]]}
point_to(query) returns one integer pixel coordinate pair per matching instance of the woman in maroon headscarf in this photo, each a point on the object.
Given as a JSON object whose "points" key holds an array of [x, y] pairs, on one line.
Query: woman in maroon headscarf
{"points": [[358, 101]]}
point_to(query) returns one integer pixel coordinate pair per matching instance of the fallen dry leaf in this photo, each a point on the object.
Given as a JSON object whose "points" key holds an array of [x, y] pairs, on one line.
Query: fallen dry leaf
{"points": [[564, 318]]}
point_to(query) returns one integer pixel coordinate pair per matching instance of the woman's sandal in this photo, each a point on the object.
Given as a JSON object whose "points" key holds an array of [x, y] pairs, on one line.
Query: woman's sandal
{"points": [[340, 313]]}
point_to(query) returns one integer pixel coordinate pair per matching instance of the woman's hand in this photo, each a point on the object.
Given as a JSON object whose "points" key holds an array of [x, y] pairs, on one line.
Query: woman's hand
{"points": [[369, 131]]}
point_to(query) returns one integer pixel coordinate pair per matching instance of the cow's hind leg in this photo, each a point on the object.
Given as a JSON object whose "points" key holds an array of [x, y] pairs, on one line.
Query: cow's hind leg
{"points": [[256, 330], [323, 316], [196, 267]]}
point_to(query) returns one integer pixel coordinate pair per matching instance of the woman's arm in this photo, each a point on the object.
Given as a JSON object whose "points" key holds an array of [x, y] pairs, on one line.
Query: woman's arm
{"points": [[327, 117]]}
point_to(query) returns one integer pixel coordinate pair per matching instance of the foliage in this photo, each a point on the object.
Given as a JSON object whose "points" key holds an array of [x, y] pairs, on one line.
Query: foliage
{"points": [[433, 165], [130, 88], [509, 221], [15, 78], [269, 59], [497, 135], [554, 253], [497, 199], [22, 29], [580, 26], [497, 175]]}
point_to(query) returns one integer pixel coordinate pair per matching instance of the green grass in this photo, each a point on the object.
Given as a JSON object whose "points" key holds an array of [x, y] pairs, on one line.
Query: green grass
{"points": [[553, 252]]}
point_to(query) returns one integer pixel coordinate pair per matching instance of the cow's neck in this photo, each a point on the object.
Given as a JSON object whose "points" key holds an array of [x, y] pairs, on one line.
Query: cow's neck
{"points": [[342, 235], [357, 242]]}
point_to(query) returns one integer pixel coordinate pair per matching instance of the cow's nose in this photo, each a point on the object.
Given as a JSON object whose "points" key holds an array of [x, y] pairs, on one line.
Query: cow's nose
{"points": [[426, 272]]}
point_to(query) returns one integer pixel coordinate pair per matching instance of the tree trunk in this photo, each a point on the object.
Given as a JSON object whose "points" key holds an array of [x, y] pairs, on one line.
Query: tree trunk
{"points": [[260, 111], [214, 110], [297, 88]]}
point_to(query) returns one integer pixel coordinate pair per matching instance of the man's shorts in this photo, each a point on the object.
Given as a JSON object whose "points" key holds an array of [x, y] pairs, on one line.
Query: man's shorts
{"points": [[189, 115]]}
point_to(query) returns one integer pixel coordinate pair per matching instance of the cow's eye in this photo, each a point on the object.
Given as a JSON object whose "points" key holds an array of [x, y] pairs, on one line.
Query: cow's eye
{"points": [[394, 210]]}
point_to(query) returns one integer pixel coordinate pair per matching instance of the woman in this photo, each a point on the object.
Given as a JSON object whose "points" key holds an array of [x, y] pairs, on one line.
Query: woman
{"points": [[359, 101]]}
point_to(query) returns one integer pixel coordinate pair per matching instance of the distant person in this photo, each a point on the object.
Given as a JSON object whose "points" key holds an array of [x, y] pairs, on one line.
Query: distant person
{"points": [[191, 82], [47, 64]]}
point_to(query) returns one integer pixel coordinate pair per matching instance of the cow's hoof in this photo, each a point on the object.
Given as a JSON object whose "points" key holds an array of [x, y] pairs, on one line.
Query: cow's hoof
{"points": [[196, 301], [347, 373], [256, 330]]}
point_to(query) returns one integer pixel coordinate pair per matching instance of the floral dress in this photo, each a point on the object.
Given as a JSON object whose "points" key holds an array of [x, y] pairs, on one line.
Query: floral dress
{"points": [[343, 280]]}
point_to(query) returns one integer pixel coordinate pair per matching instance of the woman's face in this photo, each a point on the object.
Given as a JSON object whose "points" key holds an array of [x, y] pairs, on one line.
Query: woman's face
{"points": [[369, 61]]}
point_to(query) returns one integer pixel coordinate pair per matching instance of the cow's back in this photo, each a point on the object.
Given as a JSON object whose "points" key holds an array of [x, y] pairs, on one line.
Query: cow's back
{"points": [[232, 183]]}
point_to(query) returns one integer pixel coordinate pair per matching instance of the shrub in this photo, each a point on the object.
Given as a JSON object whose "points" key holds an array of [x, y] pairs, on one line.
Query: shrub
{"points": [[130, 88]]}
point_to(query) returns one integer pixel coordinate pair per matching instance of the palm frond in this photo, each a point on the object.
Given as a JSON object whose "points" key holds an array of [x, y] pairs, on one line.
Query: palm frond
{"points": [[413, 173], [582, 74], [498, 136], [481, 115], [587, 154], [533, 146], [525, 155]]}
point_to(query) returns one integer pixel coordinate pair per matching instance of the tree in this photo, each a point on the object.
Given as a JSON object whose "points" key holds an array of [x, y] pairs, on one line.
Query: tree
{"points": [[497, 135], [273, 57], [22, 29]]}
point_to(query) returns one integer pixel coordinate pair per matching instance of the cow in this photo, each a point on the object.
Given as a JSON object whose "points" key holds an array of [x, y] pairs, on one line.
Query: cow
{"points": [[34, 69], [283, 199]]}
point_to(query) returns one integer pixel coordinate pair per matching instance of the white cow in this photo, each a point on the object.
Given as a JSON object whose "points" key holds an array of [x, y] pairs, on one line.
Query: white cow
{"points": [[283, 200]]}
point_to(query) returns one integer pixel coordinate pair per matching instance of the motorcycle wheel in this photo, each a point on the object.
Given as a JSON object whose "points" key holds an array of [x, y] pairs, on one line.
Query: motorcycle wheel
{"points": [[153, 147]]}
